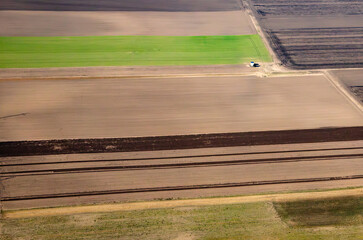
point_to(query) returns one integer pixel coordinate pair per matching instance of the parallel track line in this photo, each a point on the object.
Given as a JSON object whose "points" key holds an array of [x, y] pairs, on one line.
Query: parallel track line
{"points": [[179, 165], [177, 188], [178, 157]]}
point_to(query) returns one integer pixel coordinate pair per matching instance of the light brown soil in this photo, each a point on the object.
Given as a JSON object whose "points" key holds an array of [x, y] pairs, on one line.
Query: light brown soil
{"points": [[243, 164], [122, 71], [107, 108], [48, 23]]}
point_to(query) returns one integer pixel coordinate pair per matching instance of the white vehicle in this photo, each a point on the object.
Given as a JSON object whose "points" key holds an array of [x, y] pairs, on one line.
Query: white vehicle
{"points": [[253, 64]]}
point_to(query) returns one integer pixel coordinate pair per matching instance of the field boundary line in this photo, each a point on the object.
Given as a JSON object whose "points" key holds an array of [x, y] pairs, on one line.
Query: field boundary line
{"points": [[249, 74], [250, 11], [100, 208], [134, 76]]}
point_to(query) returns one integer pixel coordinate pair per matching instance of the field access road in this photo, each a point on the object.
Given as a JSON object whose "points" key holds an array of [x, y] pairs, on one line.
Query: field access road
{"points": [[135, 107], [51, 180], [124, 72]]}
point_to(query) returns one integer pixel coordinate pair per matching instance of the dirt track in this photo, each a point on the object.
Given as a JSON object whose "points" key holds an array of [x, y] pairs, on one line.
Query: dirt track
{"points": [[313, 34], [122, 71], [239, 170]]}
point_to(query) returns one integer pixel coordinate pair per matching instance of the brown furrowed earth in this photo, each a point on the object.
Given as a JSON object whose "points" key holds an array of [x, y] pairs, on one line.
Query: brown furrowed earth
{"points": [[313, 34]]}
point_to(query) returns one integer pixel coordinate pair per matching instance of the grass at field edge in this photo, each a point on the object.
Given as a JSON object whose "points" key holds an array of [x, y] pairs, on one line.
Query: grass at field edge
{"points": [[233, 221]]}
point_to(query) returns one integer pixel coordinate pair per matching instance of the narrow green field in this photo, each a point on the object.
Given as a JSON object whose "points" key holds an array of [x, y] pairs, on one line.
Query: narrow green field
{"points": [[253, 221], [34, 52]]}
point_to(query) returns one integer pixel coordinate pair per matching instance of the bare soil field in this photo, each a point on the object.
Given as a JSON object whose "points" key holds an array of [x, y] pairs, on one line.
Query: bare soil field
{"points": [[353, 81], [107, 108], [86, 23], [124, 5], [41, 181], [313, 34]]}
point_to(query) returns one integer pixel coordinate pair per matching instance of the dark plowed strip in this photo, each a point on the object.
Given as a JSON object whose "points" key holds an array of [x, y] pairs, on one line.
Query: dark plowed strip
{"points": [[176, 188], [69, 146]]}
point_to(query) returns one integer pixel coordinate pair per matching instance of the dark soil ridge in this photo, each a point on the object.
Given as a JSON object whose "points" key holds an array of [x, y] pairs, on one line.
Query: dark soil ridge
{"points": [[71, 146]]}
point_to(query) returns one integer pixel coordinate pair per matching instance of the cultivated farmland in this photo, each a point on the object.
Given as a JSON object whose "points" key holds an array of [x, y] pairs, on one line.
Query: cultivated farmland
{"points": [[313, 34], [102, 108], [132, 100], [353, 81]]}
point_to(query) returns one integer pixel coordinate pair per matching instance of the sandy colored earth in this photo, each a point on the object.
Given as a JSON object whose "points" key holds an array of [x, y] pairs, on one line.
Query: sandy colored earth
{"points": [[123, 71], [48, 23], [182, 203], [103, 108], [128, 175], [124, 5], [67, 183]]}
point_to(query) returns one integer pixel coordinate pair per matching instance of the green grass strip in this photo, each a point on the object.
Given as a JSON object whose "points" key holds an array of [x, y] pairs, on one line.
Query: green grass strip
{"points": [[37, 52]]}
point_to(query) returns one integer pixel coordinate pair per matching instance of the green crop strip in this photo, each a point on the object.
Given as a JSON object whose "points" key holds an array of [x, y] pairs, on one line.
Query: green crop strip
{"points": [[34, 52]]}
